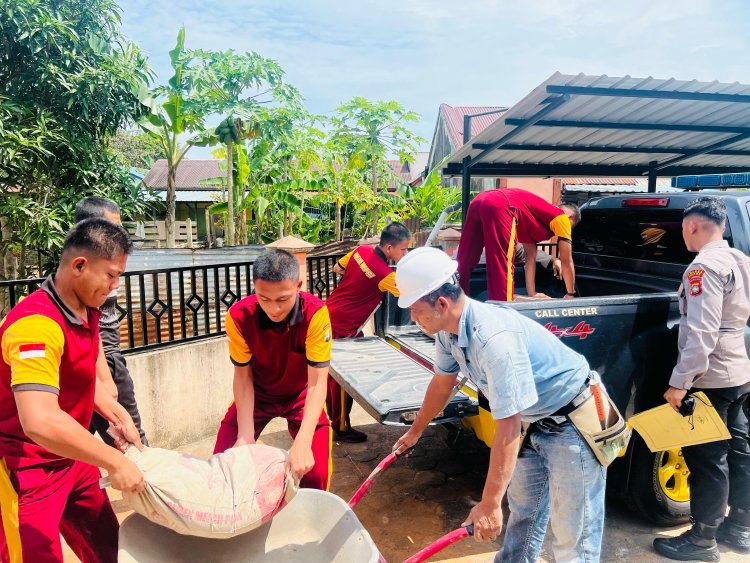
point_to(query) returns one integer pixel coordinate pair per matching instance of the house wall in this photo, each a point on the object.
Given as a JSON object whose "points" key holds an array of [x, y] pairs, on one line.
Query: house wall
{"points": [[183, 391], [546, 188], [184, 210]]}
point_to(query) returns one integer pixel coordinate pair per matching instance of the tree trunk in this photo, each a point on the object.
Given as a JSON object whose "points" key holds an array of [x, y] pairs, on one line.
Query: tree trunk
{"points": [[338, 220], [375, 191], [301, 209], [5, 235], [171, 204], [230, 193], [243, 226]]}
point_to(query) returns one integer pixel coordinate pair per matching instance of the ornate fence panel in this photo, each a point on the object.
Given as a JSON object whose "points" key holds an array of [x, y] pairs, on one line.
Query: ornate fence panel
{"points": [[321, 278], [165, 306]]}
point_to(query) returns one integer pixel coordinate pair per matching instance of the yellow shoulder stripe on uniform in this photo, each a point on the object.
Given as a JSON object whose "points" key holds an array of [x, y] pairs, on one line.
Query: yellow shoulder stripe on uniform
{"points": [[388, 283], [239, 351], [561, 227], [318, 341], [344, 260], [33, 347]]}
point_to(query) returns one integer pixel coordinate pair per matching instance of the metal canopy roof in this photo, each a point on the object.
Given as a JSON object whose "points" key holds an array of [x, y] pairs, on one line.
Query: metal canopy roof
{"points": [[604, 126]]}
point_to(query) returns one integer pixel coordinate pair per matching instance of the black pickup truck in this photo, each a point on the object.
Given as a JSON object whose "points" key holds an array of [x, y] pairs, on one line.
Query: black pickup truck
{"points": [[629, 257]]}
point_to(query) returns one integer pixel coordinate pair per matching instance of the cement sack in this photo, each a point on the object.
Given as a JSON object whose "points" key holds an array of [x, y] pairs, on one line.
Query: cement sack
{"points": [[220, 497]]}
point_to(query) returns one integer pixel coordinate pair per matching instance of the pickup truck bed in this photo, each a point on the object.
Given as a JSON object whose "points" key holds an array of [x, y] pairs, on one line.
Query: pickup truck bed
{"points": [[389, 385]]}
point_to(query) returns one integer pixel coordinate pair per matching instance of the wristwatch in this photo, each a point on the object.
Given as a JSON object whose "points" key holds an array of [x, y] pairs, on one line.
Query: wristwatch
{"points": [[572, 293]]}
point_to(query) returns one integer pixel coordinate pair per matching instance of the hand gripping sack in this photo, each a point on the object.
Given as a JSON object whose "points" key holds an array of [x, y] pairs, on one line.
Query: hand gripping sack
{"points": [[220, 497]]}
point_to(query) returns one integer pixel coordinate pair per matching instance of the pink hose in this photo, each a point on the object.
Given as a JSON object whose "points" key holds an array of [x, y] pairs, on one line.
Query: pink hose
{"points": [[390, 458], [441, 544]]}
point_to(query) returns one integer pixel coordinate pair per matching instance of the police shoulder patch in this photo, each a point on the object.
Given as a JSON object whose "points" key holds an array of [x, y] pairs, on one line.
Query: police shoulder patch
{"points": [[695, 278]]}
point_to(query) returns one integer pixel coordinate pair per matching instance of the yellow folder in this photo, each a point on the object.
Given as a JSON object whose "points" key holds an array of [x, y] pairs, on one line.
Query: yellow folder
{"points": [[664, 429]]}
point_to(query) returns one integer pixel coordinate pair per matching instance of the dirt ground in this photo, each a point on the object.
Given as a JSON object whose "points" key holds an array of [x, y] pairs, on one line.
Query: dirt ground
{"points": [[429, 493]]}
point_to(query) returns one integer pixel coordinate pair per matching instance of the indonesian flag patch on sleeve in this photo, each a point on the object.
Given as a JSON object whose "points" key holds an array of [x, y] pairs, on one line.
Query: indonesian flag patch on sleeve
{"points": [[695, 278], [28, 351]]}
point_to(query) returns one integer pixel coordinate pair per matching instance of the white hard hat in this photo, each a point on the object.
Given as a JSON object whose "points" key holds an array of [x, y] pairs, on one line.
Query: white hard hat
{"points": [[421, 272]]}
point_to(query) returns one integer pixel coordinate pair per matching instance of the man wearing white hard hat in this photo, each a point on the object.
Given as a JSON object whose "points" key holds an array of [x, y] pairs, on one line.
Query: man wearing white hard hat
{"points": [[528, 376]]}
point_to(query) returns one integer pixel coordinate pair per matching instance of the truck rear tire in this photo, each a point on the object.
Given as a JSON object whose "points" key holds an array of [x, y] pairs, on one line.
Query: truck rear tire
{"points": [[659, 485]]}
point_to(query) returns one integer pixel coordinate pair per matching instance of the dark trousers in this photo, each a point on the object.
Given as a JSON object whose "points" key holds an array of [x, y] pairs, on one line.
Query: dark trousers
{"points": [[720, 471], [125, 396]]}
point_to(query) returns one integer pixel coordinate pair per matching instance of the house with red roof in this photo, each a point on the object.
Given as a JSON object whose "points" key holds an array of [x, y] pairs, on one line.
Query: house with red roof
{"points": [[198, 183]]}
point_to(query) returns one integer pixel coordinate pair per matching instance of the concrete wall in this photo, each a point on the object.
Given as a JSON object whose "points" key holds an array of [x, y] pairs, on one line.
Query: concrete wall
{"points": [[182, 391]]}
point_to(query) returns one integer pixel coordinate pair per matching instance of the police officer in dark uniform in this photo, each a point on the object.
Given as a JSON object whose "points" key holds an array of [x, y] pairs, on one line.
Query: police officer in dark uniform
{"points": [[714, 303]]}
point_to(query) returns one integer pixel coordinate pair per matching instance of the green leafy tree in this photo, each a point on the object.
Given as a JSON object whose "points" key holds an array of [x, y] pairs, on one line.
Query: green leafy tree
{"points": [[428, 200], [206, 83], [376, 130], [346, 184], [68, 81], [138, 149]]}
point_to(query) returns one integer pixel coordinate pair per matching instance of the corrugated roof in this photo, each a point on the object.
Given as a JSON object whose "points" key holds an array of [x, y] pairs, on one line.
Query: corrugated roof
{"points": [[605, 126], [190, 174], [454, 120]]}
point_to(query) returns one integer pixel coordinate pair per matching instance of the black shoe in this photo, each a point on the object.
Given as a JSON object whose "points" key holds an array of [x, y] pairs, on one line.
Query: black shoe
{"points": [[350, 436], [697, 544], [734, 535]]}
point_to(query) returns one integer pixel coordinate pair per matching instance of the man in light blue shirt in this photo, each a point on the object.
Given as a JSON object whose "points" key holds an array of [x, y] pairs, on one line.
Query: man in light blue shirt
{"points": [[528, 376]]}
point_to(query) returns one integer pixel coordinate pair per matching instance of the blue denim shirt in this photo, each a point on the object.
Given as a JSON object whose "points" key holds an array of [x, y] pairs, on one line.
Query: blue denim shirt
{"points": [[517, 364]]}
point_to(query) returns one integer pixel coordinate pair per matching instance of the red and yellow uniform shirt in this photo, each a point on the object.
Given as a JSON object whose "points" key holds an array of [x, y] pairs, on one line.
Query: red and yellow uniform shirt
{"points": [[279, 353], [45, 347], [536, 219], [367, 276]]}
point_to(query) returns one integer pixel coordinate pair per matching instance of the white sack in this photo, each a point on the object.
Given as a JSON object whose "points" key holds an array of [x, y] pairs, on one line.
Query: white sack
{"points": [[220, 497]]}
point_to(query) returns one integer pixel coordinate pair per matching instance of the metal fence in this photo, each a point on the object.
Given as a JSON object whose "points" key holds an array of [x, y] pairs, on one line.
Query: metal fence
{"points": [[164, 306], [321, 279], [548, 247]]}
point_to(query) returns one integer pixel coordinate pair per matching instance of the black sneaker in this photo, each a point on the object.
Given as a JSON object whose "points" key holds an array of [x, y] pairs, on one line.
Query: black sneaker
{"points": [[350, 436], [688, 546], [734, 535]]}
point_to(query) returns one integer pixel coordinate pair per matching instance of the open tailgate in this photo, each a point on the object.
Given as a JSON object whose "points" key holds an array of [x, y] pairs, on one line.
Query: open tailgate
{"points": [[389, 385]]}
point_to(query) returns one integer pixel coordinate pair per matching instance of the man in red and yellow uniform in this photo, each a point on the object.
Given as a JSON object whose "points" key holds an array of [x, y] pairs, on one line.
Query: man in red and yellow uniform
{"points": [[367, 276], [51, 352], [496, 220], [280, 345]]}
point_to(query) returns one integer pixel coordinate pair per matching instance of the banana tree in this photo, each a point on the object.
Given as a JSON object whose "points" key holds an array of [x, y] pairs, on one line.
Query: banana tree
{"points": [[257, 188], [428, 200]]}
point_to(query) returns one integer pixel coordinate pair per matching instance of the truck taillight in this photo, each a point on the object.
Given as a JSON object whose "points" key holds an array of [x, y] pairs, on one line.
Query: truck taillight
{"points": [[645, 202]]}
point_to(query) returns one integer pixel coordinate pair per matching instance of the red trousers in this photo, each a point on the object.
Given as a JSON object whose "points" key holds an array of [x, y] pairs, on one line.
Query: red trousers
{"points": [[40, 503], [490, 224], [319, 476]]}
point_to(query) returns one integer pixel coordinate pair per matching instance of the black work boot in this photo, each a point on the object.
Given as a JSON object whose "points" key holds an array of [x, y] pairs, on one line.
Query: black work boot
{"points": [[350, 435], [697, 544], [734, 535]]}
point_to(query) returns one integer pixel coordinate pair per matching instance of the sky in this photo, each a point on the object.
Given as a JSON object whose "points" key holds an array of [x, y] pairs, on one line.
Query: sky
{"points": [[422, 53]]}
